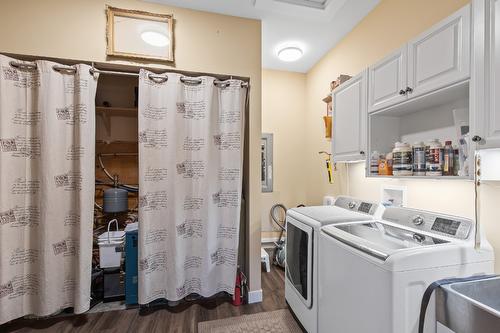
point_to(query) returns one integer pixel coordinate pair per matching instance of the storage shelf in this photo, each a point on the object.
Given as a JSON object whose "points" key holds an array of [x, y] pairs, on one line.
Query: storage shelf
{"points": [[421, 177], [116, 147], [106, 113], [426, 117]]}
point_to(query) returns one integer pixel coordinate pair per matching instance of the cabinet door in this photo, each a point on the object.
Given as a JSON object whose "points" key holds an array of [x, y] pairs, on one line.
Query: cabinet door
{"points": [[349, 120], [440, 56], [489, 117], [387, 81]]}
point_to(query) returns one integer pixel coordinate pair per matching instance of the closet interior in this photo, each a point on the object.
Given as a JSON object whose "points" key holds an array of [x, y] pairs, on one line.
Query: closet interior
{"points": [[116, 175]]}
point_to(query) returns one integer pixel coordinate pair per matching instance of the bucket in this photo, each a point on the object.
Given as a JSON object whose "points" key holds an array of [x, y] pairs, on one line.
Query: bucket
{"points": [[111, 246]]}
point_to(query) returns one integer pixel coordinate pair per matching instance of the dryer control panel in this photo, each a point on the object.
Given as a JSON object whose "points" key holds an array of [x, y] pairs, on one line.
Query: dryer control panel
{"points": [[440, 224], [356, 205]]}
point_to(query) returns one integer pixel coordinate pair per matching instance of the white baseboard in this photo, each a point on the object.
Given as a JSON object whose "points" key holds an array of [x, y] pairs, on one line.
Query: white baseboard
{"points": [[255, 296]]}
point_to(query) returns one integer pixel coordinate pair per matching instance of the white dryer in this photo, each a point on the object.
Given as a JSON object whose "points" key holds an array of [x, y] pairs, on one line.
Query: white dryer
{"points": [[301, 272], [372, 275]]}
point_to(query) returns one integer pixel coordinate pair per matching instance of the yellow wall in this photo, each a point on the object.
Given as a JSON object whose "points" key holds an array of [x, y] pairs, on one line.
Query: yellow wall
{"points": [[204, 42], [386, 28], [283, 114]]}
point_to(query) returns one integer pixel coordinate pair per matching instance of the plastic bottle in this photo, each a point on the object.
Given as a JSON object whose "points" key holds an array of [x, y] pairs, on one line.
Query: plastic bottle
{"points": [[419, 159], [448, 159], [385, 165], [463, 153], [427, 151], [389, 160], [456, 161], [434, 163], [374, 159], [402, 159]]}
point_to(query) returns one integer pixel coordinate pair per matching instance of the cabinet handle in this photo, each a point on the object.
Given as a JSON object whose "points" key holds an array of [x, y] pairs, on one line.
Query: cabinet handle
{"points": [[362, 152], [409, 90], [402, 92], [476, 138]]}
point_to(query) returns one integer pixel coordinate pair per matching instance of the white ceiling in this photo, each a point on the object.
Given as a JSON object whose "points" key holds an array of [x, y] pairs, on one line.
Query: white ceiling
{"points": [[315, 26]]}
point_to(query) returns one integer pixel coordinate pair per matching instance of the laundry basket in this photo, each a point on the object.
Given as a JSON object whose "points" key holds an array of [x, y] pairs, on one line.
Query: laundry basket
{"points": [[111, 246]]}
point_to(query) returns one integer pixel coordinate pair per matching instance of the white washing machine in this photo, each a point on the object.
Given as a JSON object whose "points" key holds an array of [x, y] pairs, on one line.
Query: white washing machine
{"points": [[372, 275], [301, 273]]}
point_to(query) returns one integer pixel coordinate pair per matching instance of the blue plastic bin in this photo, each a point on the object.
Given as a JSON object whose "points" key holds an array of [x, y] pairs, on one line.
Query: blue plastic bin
{"points": [[131, 263]]}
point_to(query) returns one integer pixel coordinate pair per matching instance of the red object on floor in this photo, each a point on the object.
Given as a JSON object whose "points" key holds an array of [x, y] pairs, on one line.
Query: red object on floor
{"points": [[237, 290]]}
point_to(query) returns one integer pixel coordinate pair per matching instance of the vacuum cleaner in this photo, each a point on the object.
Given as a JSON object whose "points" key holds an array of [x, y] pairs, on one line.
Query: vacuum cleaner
{"points": [[278, 214]]}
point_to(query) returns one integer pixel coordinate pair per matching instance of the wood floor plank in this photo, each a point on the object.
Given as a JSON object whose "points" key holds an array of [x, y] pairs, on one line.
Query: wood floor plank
{"points": [[183, 318]]}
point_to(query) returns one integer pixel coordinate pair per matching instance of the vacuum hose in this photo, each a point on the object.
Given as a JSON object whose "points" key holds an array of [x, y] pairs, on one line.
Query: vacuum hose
{"points": [[281, 223], [278, 214]]}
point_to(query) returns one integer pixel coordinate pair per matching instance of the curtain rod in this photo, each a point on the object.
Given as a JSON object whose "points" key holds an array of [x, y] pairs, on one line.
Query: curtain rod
{"points": [[153, 77]]}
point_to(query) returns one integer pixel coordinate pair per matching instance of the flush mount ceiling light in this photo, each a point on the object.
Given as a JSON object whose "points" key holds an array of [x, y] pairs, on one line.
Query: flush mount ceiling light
{"points": [[290, 53], [155, 38]]}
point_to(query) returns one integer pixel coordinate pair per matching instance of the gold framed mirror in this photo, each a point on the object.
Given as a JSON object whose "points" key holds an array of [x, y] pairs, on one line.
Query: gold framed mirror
{"points": [[139, 35]]}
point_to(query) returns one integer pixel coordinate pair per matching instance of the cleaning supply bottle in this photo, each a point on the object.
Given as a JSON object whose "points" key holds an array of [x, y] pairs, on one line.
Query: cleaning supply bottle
{"points": [[419, 159], [434, 163], [385, 165], [402, 159], [374, 160], [456, 161], [463, 153], [448, 159]]}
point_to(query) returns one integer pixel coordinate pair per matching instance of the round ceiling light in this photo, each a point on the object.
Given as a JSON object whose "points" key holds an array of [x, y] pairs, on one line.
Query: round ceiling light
{"points": [[155, 38], [290, 54]]}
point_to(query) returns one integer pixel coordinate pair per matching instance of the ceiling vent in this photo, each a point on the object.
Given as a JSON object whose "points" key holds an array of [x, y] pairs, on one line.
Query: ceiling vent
{"points": [[318, 4]]}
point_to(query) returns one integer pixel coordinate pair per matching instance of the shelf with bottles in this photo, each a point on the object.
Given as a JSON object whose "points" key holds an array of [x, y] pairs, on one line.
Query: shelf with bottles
{"points": [[421, 133]]}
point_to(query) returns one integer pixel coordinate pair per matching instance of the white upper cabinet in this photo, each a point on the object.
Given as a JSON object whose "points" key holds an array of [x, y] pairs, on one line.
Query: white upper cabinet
{"points": [[440, 56], [387, 81], [492, 136], [436, 59], [487, 66], [349, 119]]}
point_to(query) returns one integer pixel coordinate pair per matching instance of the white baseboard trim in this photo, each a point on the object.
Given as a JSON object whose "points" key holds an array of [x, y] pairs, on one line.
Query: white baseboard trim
{"points": [[255, 296]]}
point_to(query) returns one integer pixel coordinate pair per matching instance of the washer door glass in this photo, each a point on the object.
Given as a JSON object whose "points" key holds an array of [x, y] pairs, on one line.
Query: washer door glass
{"points": [[299, 258]]}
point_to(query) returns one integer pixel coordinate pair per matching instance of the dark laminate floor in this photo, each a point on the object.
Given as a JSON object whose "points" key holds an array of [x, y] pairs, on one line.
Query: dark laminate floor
{"points": [[183, 318]]}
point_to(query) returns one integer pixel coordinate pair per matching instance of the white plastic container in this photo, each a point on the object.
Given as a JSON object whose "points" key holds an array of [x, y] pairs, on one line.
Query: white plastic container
{"points": [[402, 159], [419, 159], [434, 163], [374, 160], [111, 247]]}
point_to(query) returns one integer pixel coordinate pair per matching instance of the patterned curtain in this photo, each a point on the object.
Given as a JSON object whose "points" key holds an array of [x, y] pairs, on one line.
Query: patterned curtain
{"points": [[47, 143], [190, 183]]}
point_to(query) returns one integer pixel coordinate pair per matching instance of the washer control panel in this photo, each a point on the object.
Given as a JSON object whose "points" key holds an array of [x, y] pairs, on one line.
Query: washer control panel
{"points": [[449, 227], [439, 224]]}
